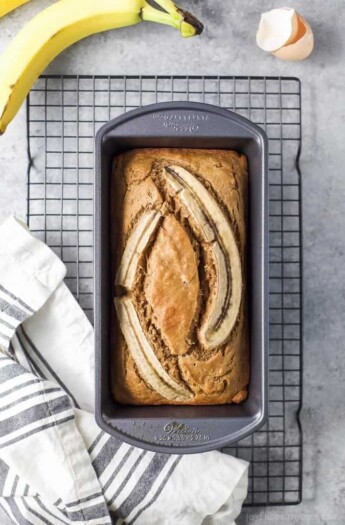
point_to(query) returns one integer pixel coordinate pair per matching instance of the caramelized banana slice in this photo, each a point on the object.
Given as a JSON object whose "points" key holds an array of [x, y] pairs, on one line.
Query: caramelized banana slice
{"points": [[143, 354], [149, 366], [137, 242], [216, 229]]}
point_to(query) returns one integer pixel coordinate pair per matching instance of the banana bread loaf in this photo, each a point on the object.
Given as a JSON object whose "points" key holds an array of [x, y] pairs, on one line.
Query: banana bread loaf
{"points": [[179, 331]]}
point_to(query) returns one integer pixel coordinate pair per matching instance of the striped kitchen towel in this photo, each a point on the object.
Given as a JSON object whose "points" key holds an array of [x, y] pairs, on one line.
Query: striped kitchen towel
{"points": [[56, 466]]}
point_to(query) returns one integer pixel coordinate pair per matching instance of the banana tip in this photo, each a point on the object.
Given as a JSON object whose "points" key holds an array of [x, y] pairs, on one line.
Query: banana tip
{"points": [[190, 25]]}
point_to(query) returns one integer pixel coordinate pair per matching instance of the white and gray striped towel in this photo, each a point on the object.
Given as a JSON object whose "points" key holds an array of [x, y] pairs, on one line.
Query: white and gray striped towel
{"points": [[56, 466]]}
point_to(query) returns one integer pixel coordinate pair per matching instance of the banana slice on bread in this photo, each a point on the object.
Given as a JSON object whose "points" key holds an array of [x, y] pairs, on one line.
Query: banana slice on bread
{"points": [[143, 354], [216, 230], [137, 242]]}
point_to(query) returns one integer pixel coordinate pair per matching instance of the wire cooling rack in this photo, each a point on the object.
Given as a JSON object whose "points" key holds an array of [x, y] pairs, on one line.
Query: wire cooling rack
{"points": [[63, 115]]}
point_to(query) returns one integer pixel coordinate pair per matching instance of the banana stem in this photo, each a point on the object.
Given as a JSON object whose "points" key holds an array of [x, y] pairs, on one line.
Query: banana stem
{"points": [[150, 14], [168, 5], [187, 23]]}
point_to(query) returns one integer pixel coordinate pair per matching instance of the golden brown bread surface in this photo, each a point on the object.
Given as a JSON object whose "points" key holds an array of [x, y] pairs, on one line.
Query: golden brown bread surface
{"points": [[159, 355]]}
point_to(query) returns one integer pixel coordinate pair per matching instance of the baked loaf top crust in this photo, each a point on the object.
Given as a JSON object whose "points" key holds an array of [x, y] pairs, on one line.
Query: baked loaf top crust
{"points": [[178, 231]]}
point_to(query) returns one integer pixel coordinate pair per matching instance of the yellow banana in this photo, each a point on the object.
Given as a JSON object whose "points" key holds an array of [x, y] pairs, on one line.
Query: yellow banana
{"points": [[6, 6], [61, 25]]}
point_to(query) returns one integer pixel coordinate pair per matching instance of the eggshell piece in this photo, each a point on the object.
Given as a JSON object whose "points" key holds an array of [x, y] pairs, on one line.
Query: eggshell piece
{"points": [[303, 45], [277, 28]]}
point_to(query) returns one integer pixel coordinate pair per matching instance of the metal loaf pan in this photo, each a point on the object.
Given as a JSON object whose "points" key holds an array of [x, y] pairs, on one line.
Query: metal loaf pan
{"points": [[184, 429]]}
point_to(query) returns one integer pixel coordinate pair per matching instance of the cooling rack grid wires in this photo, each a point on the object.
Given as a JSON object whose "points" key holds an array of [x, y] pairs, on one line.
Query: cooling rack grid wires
{"points": [[63, 115]]}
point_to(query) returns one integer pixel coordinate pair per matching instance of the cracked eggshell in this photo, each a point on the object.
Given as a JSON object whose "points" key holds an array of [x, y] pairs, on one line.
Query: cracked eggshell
{"points": [[277, 28], [302, 46]]}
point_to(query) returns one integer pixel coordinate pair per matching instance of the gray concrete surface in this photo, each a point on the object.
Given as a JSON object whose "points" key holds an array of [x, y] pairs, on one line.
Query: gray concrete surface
{"points": [[228, 47]]}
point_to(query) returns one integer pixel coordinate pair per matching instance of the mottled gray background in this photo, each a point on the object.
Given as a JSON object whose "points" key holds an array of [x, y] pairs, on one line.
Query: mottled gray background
{"points": [[228, 48]]}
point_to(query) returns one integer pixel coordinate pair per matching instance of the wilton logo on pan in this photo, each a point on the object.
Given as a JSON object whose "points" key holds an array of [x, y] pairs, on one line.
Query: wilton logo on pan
{"points": [[187, 122], [175, 431]]}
